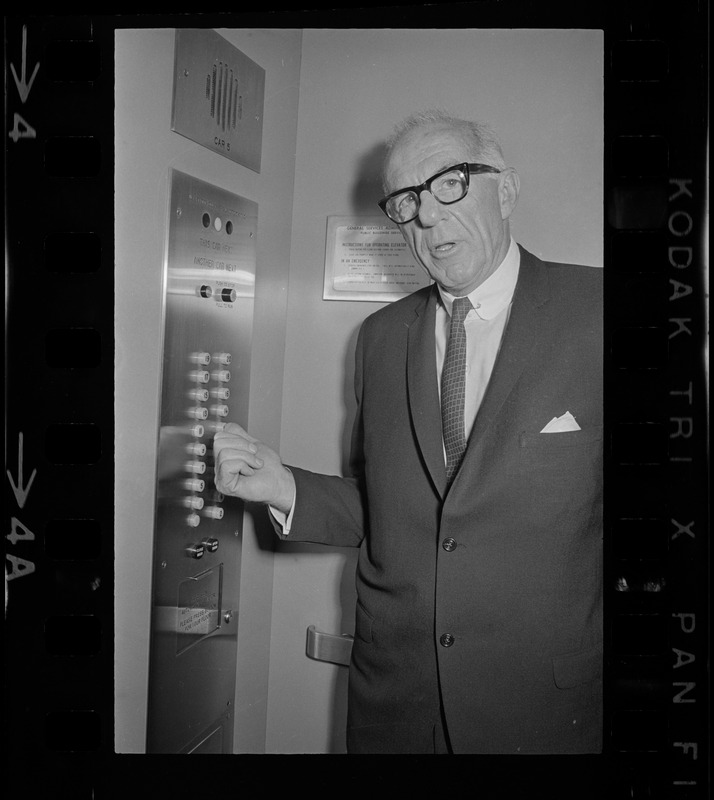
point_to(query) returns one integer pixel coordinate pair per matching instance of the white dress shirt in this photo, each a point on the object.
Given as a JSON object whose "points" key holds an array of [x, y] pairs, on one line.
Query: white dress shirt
{"points": [[484, 326]]}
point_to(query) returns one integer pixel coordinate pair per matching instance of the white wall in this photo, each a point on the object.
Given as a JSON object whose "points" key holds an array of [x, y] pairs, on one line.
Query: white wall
{"points": [[542, 92]]}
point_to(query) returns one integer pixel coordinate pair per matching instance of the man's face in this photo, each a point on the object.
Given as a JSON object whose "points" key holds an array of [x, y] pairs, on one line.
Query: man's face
{"points": [[459, 245]]}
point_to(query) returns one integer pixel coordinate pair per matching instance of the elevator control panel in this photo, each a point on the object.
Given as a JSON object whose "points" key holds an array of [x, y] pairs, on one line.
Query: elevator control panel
{"points": [[208, 291]]}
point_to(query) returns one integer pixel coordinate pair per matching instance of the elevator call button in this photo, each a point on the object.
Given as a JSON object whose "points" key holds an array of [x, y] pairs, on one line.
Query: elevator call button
{"points": [[214, 512], [193, 502]]}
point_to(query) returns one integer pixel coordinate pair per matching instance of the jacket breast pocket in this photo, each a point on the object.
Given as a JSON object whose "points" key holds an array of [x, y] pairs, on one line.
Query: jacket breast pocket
{"points": [[559, 452], [573, 669]]}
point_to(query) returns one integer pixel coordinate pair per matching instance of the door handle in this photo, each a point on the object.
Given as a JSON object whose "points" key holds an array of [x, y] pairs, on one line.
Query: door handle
{"points": [[329, 646]]}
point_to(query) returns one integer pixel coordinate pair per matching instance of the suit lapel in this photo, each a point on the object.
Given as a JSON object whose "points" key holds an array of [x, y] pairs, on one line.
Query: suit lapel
{"points": [[524, 329], [423, 391]]}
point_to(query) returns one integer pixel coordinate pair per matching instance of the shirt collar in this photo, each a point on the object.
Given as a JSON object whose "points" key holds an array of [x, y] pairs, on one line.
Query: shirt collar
{"points": [[496, 292]]}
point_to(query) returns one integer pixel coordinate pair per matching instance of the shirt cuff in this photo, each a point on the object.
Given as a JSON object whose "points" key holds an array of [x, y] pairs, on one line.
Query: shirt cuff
{"points": [[284, 520]]}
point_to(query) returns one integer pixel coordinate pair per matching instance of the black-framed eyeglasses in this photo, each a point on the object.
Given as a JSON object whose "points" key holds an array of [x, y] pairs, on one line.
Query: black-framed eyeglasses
{"points": [[448, 186]]}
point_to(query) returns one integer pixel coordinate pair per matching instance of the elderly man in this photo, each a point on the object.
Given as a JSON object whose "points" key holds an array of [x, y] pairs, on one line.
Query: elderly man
{"points": [[477, 498]]}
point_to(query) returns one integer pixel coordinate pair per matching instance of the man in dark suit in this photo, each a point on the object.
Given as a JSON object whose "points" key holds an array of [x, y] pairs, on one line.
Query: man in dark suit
{"points": [[477, 502]]}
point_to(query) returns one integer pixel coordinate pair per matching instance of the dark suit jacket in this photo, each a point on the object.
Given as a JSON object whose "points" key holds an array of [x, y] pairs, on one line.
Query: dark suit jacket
{"points": [[520, 586]]}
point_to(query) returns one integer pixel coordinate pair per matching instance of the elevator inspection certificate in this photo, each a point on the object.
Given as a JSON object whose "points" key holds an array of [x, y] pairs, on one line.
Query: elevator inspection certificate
{"points": [[366, 258]]}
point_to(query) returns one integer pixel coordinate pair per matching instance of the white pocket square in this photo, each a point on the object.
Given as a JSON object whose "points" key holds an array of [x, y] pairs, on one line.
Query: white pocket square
{"points": [[561, 424]]}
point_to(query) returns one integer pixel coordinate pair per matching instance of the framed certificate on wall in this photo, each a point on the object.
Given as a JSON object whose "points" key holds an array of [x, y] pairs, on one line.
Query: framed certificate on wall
{"points": [[366, 258]]}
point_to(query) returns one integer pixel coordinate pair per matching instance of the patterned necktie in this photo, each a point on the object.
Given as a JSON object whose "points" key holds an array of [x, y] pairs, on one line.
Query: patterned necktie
{"points": [[453, 388]]}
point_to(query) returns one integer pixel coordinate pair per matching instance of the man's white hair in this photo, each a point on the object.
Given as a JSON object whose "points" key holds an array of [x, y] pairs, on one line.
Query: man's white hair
{"points": [[483, 143]]}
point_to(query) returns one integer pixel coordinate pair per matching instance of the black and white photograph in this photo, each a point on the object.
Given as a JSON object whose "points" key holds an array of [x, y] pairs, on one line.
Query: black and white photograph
{"points": [[374, 352]]}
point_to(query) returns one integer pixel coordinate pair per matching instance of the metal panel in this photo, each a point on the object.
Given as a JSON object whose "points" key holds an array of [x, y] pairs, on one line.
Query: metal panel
{"points": [[218, 96], [209, 278]]}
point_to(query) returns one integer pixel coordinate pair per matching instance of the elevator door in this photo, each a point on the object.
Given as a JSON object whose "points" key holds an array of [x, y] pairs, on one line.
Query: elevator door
{"points": [[209, 278]]}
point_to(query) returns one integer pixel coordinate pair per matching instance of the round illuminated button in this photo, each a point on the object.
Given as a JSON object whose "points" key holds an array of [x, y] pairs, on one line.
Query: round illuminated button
{"points": [[197, 431], [200, 375], [218, 223], [213, 512], [222, 358], [199, 395], [199, 412], [201, 358], [221, 393], [220, 411], [193, 502], [199, 467], [193, 520], [196, 448], [194, 485], [222, 375]]}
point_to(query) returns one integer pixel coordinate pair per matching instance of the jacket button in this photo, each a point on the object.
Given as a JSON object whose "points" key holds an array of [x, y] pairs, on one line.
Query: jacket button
{"points": [[449, 544], [447, 639]]}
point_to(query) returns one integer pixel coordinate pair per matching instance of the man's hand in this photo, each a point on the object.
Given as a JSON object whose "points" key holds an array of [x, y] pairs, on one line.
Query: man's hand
{"points": [[248, 469]]}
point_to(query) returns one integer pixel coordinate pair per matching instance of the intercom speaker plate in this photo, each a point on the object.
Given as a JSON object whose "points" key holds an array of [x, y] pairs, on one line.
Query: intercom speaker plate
{"points": [[218, 96]]}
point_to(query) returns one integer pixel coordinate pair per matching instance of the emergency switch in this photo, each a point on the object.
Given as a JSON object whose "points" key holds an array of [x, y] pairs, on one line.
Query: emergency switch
{"points": [[195, 550]]}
